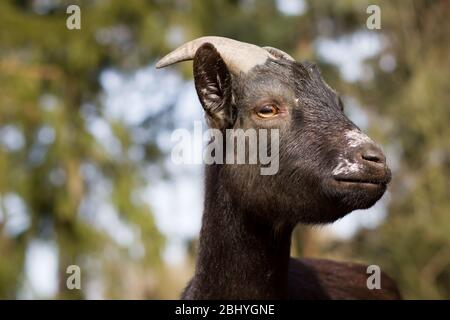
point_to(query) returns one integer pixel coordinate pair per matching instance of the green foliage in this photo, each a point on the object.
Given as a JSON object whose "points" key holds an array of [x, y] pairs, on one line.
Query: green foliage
{"points": [[418, 228], [413, 243], [47, 74]]}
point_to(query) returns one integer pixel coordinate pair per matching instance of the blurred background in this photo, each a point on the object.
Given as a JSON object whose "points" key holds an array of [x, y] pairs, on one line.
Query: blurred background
{"points": [[86, 120]]}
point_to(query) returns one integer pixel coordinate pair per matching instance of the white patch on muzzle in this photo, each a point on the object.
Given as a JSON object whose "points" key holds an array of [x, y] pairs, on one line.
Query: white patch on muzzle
{"points": [[356, 138], [346, 167]]}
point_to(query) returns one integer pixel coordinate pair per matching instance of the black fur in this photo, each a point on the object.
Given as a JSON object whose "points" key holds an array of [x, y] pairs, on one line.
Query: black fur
{"points": [[248, 217]]}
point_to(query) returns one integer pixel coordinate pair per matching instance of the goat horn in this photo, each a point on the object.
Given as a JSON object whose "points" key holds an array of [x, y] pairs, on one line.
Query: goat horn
{"points": [[238, 56], [278, 53]]}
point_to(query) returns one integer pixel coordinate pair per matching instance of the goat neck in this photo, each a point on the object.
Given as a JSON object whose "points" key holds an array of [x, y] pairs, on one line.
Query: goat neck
{"points": [[239, 257]]}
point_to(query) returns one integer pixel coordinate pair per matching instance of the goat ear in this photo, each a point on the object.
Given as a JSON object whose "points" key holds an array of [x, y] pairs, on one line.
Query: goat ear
{"points": [[213, 85]]}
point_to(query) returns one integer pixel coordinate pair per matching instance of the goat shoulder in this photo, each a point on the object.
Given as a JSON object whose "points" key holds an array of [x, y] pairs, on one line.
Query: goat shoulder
{"points": [[325, 279]]}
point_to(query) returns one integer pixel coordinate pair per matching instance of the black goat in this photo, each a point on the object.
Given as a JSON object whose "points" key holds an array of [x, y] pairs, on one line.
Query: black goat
{"points": [[327, 168]]}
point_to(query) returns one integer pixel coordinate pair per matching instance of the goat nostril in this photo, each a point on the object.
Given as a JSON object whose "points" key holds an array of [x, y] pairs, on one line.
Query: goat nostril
{"points": [[371, 157], [372, 154]]}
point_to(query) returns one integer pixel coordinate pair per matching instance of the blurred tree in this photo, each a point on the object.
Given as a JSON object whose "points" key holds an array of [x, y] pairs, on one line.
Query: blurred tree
{"points": [[409, 93], [414, 241], [49, 81]]}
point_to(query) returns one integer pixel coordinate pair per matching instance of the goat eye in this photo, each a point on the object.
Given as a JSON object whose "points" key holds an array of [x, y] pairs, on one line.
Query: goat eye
{"points": [[267, 111]]}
